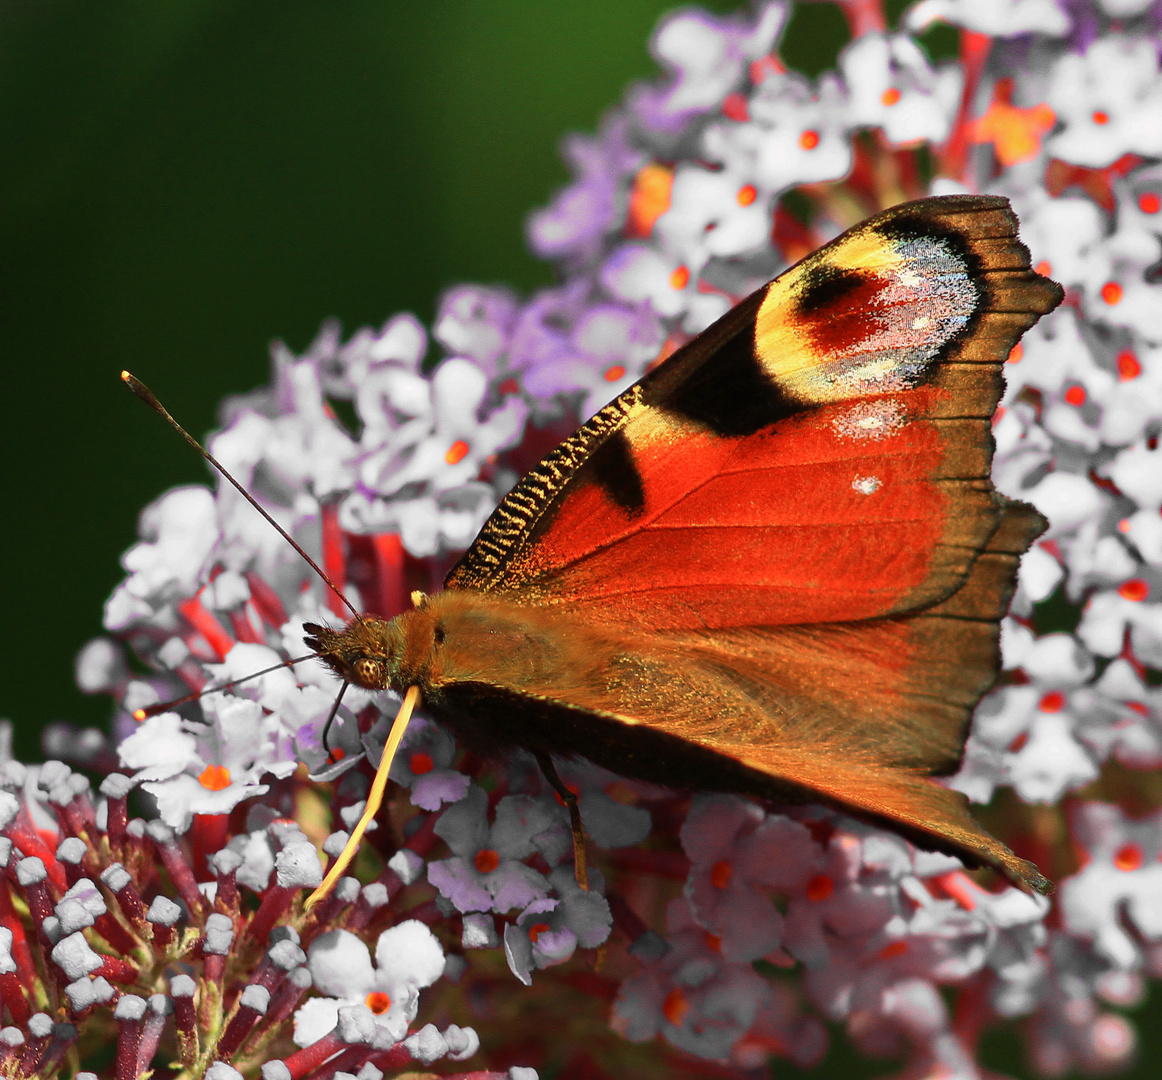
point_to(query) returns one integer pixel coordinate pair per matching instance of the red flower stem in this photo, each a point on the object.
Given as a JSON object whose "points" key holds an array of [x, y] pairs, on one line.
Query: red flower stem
{"points": [[311, 1057], [213, 968], [118, 818], [40, 1030], [974, 53], [128, 1039], [12, 995], [287, 995], [179, 870], [227, 897], [275, 902], [181, 990], [208, 833], [117, 970], [236, 1032], [151, 1031]]}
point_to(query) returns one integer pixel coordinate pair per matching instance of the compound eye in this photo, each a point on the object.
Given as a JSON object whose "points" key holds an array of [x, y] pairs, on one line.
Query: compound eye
{"points": [[369, 673]]}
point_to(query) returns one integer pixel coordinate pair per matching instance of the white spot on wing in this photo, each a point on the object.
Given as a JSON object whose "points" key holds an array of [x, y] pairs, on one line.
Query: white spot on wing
{"points": [[869, 420], [866, 485]]}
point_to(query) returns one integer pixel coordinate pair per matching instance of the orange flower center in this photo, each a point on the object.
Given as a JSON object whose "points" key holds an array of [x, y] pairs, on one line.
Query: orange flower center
{"points": [[1129, 366], [1111, 292], [1044, 267], [1149, 202], [487, 860], [820, 887], [1015, 353], [614, 373], [1054, 701], [1135, 589], [378, 1002], [421, 763], [1075, 395], [720, 874], [746, 195], [893, 949], [456, 452], [675, 1007], [890, 96], [680, 278], [215, 777], [809, 139], [1100, 117], [536, 930], [1128, 857]]}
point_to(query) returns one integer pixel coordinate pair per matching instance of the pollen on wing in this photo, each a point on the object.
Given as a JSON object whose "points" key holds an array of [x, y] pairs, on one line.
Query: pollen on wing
{"points": [[869, 420], [866, 485]]}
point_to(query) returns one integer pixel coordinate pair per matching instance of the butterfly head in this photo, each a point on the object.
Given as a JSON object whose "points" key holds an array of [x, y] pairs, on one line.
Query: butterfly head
{"points": [[380, 654], [365, 652]]}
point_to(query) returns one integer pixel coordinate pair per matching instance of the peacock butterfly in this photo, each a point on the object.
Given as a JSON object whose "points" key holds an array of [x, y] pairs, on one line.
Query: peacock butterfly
{"points": [[775, 566]]}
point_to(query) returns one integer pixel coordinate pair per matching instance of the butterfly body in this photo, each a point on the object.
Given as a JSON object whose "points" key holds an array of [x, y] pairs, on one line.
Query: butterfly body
{"points": [[776, 565]]}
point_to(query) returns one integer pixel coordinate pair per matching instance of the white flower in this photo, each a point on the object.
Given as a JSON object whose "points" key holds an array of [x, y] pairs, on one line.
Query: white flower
{"points": [[793, 134], [408, 958], [1109, 100], [893, 86], [997, 18], [178, 533]]}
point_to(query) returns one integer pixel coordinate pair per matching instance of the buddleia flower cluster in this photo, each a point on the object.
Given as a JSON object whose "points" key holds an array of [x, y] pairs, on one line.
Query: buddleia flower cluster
{"points": [[157, 921]]}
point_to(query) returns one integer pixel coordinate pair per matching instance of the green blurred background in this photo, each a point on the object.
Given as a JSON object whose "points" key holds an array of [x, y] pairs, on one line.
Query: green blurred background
{"points": [[181, 182]]}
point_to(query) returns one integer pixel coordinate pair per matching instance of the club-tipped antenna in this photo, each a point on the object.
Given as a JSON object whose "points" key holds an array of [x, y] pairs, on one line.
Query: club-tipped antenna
{"points": [[196, 695], [146, 395]]}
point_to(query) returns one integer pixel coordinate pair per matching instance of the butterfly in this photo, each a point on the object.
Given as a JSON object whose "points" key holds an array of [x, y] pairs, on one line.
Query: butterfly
{"points": [[775, 566]]}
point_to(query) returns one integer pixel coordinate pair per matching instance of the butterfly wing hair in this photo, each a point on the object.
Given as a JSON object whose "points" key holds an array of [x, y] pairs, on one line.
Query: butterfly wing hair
{"points": [[776, 565]]}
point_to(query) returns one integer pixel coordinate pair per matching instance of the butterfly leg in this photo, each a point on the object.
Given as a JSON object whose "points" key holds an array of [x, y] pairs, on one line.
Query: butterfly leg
{"points": [[580, 867], [331, 718]]}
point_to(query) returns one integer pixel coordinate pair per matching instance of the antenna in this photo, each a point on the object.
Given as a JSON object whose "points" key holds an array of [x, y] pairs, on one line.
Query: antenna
{"points": [[146, 395], [411, 698], [166, 706]]}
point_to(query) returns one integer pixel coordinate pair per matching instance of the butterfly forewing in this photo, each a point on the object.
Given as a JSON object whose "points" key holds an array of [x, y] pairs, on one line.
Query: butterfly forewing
{"points": [[820, 454]]}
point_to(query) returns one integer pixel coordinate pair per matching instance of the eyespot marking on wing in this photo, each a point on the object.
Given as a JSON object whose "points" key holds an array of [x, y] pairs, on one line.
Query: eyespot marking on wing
{"points": [[869, 317]]}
